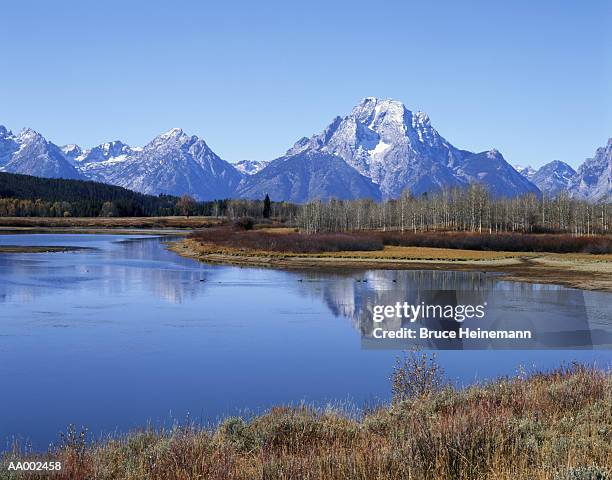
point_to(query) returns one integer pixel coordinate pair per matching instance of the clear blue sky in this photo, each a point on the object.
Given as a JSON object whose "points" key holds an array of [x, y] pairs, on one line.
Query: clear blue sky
{"points": [[532, 79]]}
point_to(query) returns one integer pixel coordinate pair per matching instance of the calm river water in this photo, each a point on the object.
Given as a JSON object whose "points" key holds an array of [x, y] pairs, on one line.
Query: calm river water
{"points": [[127, 333]]}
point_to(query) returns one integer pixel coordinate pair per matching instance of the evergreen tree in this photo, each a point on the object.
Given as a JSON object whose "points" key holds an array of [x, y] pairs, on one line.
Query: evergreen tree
{"points": [[266, 207]]}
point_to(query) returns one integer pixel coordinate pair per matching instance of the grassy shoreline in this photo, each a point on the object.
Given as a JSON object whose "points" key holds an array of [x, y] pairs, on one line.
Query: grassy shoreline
{"points": [[174, 222], [575, 270], [552, 425], [175, 225], [38, 249]]}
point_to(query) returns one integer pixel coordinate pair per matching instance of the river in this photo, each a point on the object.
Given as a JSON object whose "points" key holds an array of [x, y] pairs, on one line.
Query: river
{"points": [[126, 333]]}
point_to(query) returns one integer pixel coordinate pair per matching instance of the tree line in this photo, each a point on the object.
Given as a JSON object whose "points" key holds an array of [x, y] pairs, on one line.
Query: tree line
{"points": [[28, 196], [467, 210], [471, 210]]}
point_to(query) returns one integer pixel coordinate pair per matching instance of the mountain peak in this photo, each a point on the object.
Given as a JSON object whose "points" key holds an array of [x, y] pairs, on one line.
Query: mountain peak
{"points": [[593, 181], [31, 154], [558, 163], [397, 149], [381, 102], [27, 134], [71, 149], [372, 110], [172, 133]]}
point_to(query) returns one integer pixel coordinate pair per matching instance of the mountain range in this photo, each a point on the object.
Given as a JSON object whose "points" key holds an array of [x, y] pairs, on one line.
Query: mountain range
{"points": [[552, 178], [379, 150], [592, 181]]}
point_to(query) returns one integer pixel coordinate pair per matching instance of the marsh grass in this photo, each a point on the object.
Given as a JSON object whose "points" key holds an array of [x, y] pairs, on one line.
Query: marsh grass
{"points": [[553, 425], [261, 240], [296, 242], [510, 242]]}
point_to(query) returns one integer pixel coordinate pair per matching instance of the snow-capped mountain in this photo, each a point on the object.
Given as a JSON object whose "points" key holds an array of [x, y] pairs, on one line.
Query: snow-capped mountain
{"points": [[593, 181], [527, 172], [96, 163], [71, 152], [172, 163], [398, 150], [101, 153], [306, 176], [377, 151], [31, 154], [250, 167], [553, 178], [8, 145]]}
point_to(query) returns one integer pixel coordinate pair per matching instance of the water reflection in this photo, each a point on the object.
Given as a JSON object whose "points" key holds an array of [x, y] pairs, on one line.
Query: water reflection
{"points": [[558, 317], [115, 266], [167, 335]]}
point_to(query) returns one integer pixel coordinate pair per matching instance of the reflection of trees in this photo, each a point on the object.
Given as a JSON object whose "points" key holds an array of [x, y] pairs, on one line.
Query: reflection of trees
{"points": [[354, 294], [144, 267], [557, 316], [124, 266]]}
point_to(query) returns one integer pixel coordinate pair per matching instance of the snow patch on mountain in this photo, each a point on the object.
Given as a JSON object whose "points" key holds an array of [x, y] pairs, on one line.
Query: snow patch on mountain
{"points": [[250, 167], [527, 172]]}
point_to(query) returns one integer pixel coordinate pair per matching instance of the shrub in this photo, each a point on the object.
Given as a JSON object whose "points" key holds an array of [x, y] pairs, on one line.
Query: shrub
{"points": [[244, 223], [289, 242], [236, 432], [514, 242], [295, 242], [416, 375]]}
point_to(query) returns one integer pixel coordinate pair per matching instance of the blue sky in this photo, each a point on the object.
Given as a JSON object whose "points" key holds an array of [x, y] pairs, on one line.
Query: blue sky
{"points": [[532, 79]]}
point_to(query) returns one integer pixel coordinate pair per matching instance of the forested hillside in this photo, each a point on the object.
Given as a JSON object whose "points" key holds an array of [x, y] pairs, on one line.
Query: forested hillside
{"points": [[24, 196]]}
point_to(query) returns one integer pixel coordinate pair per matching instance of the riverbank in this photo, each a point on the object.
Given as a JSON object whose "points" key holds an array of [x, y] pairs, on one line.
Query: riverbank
{"points": [[543, 426], [575, 270], [37, 249], [159, 223], [94, 231]]}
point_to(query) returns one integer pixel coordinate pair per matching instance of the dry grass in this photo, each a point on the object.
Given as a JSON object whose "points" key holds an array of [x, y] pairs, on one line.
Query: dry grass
{"points": [[277, 230], [286, 241], [427, 253], [387, 253], [576, 270], [555, 425]]}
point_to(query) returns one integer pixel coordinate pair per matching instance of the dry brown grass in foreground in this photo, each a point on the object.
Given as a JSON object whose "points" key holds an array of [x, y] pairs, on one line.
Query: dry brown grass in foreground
{"points": [[555, 425]]}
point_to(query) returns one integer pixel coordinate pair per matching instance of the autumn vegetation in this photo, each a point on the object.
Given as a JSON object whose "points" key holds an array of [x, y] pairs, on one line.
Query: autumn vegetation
{"points": [[461, 210], [262, 240], [550, 425]]}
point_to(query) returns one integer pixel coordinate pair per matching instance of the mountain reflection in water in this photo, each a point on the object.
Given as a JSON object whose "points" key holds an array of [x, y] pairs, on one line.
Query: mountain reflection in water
{"points": [[130, 333]]}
